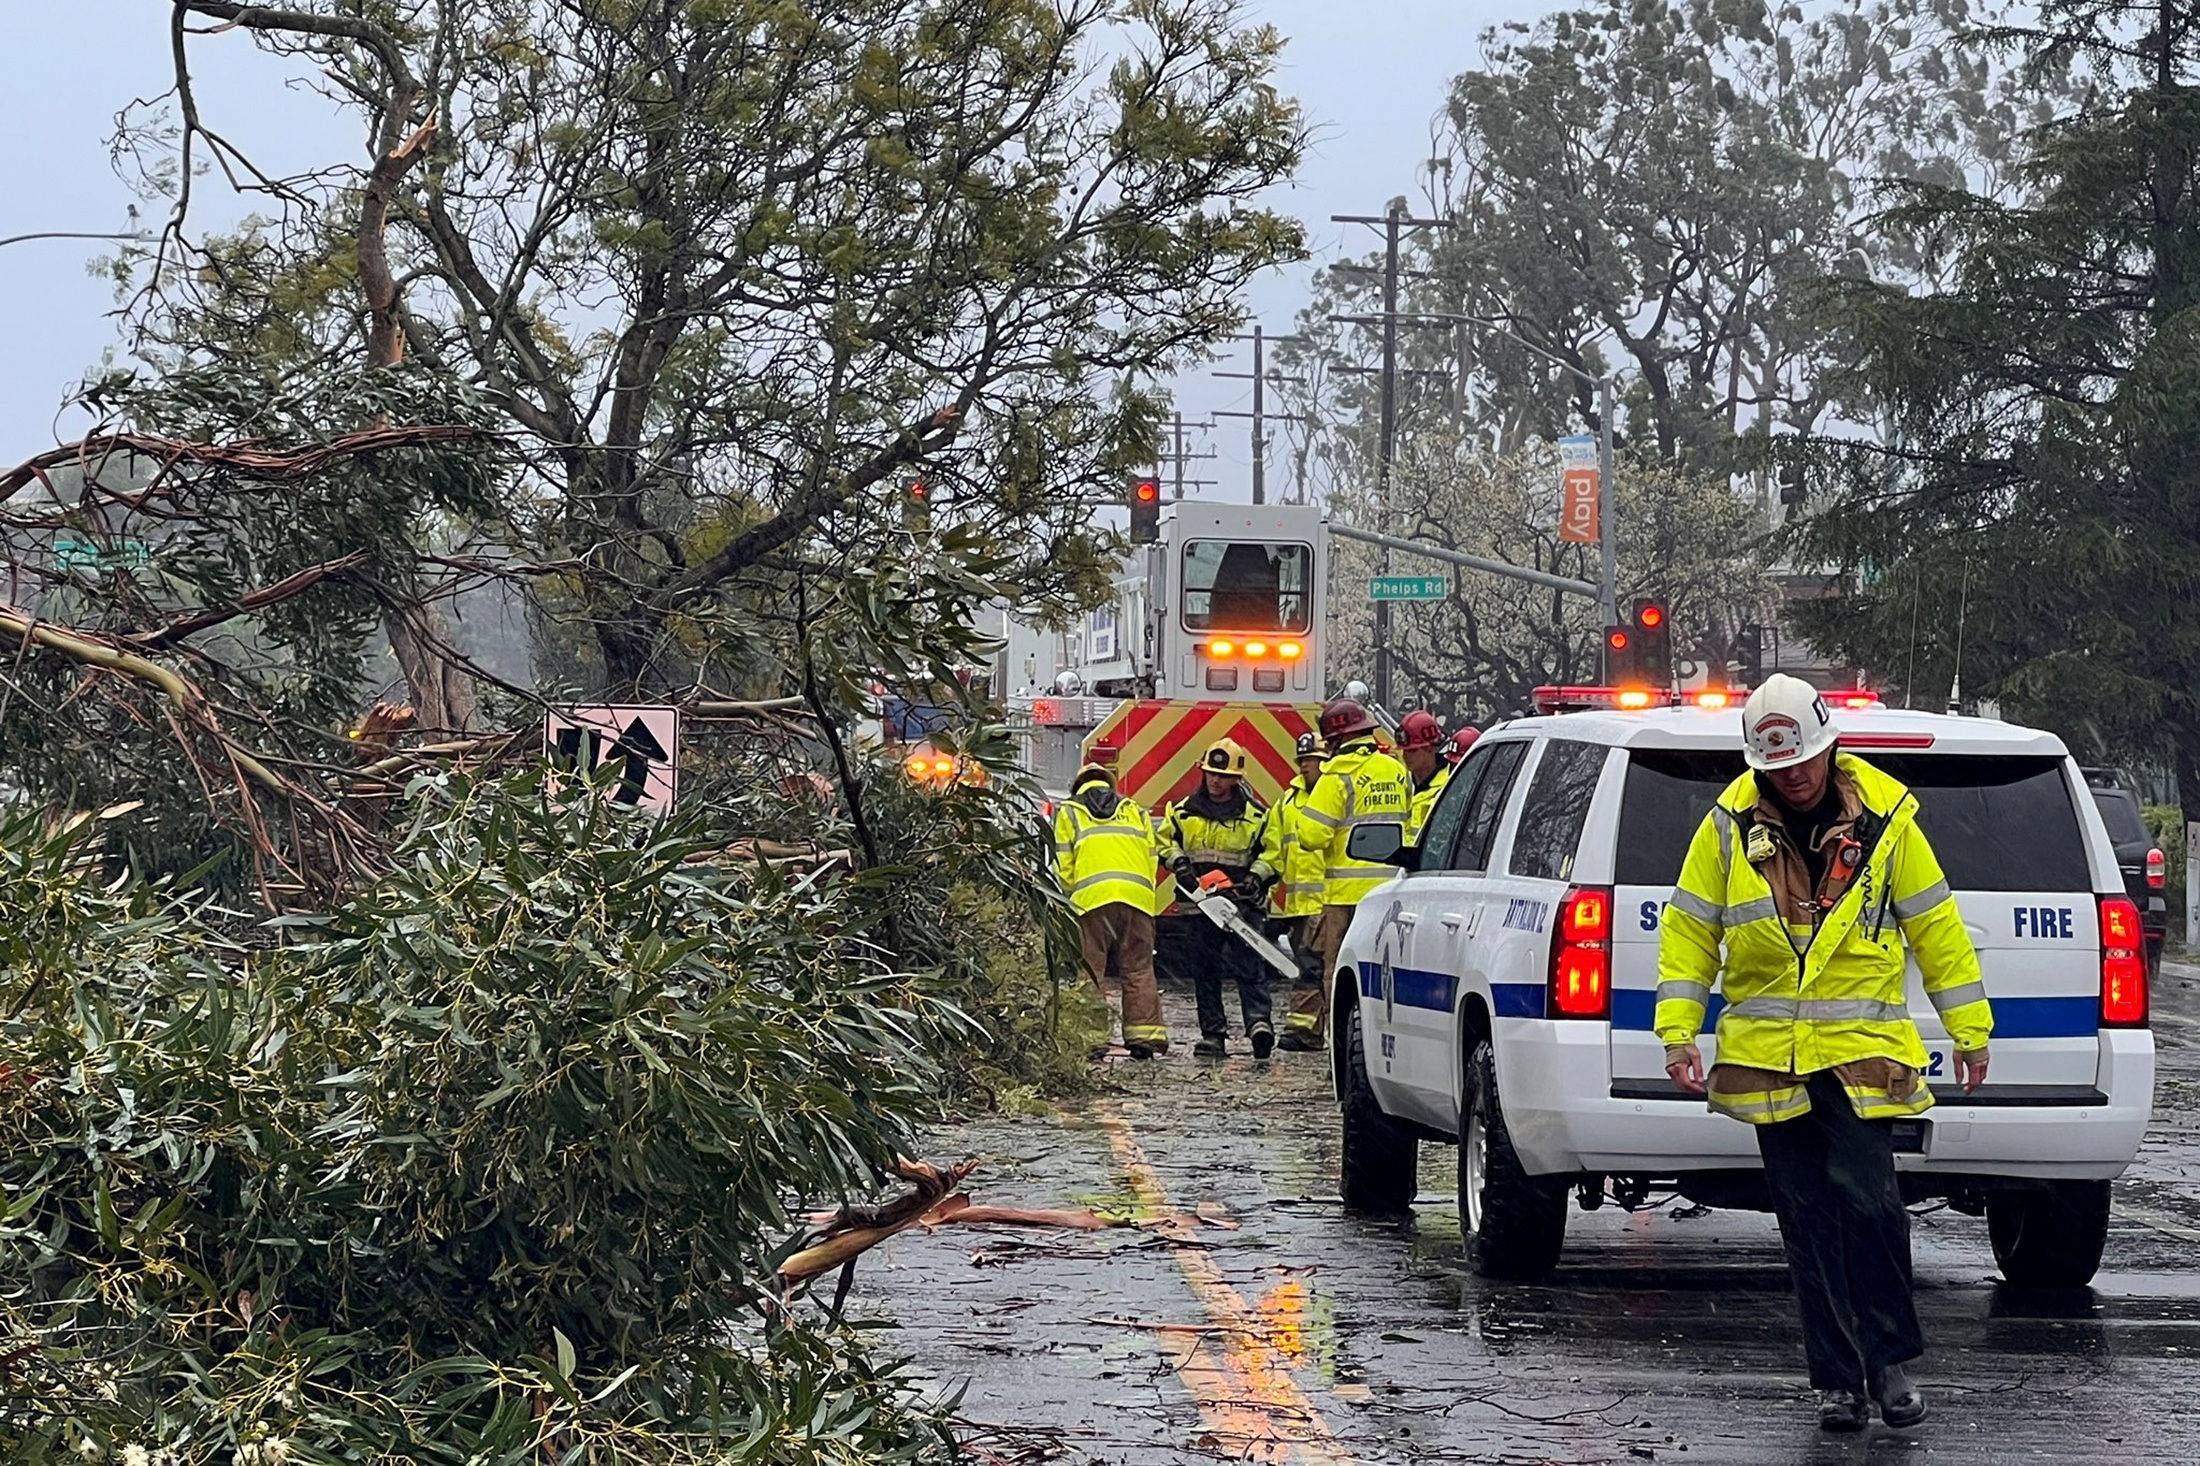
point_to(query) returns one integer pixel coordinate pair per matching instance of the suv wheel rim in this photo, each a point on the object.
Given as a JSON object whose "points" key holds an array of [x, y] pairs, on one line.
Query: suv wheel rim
{"points": [[1475, 1161]]}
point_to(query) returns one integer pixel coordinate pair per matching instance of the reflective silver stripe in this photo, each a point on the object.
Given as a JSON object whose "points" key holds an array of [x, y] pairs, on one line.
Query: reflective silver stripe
{"points": [[1113, 875], [1909, 908], [1764, 908], [1821, 1010], [1710, 913], [1322, 819], [1722, 820], [1957, 996], [1216, 855], [1358, 872], [1852, 1010], [1681, 990]]}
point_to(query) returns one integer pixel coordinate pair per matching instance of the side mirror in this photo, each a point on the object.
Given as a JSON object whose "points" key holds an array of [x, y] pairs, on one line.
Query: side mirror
{"points": [[1382, 844]]}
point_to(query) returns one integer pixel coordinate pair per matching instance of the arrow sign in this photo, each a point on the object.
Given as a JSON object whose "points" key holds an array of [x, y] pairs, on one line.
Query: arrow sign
{"points": [[644, 741]]}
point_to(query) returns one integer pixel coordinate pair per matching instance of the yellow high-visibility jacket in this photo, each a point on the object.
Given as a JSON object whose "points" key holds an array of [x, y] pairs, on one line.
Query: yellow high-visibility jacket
{"points": [[1424, 800], [1103, 859], [1219, 837], [1805, 996], [1360, 785], [1304, 874]]}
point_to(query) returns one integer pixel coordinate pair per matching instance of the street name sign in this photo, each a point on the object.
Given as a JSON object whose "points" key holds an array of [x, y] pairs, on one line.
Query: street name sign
{"points": [[1408, 588], [644, 741]]}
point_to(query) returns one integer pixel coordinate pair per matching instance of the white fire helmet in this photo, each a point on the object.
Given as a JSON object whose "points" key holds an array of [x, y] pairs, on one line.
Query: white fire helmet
{"points": [[1785, 723]]}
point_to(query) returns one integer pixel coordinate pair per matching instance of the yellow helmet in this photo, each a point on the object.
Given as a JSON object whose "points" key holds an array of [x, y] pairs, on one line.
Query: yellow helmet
{"points": [[1224, 757]]}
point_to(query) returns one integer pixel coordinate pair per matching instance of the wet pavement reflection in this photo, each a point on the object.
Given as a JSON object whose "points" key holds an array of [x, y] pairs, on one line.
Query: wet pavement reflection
{"points": [[1666, 1335]]}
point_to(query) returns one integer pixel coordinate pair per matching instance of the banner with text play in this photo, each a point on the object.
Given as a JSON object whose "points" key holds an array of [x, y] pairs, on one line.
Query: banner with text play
{"points": [[1579, 490]]}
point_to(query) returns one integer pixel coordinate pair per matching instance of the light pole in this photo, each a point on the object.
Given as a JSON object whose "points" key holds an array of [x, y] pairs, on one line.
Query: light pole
{"points": [[1608, 580], [138, 236]]}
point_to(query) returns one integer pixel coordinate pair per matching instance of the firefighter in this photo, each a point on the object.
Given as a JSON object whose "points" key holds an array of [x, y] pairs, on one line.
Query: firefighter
{"points": [[1360, 784], [1104, 853], [1302, 869], [1420, 741], [1461, 741], [1219, 828], [1812, 874]]}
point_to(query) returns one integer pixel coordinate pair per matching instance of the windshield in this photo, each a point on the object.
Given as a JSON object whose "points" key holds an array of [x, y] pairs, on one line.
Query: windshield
{"points": [[1997, 822], [1240, 585]]}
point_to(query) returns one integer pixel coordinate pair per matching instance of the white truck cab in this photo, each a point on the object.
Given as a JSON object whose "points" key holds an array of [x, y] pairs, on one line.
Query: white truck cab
{"points": [[1498, 993]]}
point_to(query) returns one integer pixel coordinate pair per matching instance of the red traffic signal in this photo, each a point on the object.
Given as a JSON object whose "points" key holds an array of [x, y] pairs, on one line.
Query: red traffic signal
{"points": [[1653, 644], [1145, 503], [1619, 655]]}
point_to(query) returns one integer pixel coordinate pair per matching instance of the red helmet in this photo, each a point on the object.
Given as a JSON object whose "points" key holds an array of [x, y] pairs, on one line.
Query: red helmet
{"points": [[1461, 741], [1420, 730], [1345, 718]]}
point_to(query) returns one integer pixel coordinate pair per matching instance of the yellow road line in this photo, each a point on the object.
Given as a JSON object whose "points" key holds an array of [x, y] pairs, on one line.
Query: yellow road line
{"points": [[1235, 1373]]}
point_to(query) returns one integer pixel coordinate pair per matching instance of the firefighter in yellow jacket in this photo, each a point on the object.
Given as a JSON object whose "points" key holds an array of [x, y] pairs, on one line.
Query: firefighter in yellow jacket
{"points": [[1304, 877], [1420, 740], [1812, 872], [1220, 830], [1105, 854], [1360, 784]]}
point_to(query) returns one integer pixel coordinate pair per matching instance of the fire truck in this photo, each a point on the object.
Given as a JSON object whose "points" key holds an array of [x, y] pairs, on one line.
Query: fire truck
{"points": [[1229, 642]]}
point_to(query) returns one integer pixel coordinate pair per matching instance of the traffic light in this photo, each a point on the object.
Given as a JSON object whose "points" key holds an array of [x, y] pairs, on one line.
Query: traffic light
{"points": [[916, 505], [1749, 653], [1619, 655], [1144, 496], [1653, 642]]}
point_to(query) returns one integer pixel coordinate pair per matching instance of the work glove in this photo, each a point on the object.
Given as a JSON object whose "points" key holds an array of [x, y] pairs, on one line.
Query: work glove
{"points": [[1252, 888]]}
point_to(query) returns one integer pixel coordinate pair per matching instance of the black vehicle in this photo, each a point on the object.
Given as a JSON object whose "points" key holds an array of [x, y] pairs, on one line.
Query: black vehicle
{"points": [[2137, 856]]}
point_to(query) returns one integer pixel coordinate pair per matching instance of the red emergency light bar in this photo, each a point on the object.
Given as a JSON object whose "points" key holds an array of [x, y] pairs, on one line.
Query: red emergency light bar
{"points": [[1582, 699], [1854, 700]]}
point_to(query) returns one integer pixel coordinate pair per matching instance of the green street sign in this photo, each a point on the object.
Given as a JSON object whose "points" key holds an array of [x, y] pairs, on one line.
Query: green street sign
{"points": [[1408, 588], [72, 553]]}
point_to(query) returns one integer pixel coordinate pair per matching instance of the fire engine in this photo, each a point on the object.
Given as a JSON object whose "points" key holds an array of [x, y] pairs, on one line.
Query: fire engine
{"points": [[1225, 639]]}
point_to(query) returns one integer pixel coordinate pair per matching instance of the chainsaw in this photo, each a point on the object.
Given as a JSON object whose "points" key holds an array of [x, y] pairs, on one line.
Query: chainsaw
{"points": [[1212, 896]]}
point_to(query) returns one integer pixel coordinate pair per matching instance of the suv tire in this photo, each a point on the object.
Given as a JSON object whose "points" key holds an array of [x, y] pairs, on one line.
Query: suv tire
{"points": [[1381, 1158], [1514, 1224], [2050, 1236]]}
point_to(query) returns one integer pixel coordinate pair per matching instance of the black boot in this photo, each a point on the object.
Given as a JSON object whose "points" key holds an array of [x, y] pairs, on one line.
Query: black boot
{"points": [[1212, 1048], [1900, 1405], [1264, 1040], [1843, 1410]]}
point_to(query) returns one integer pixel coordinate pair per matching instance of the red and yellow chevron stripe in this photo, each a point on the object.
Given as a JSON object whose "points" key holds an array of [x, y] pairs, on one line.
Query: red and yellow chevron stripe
{"points": [[1156, 745]]}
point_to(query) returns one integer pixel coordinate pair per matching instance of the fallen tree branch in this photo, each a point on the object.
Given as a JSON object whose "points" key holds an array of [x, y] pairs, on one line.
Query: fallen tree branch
{"points": [[242, 460], [281, 590]]}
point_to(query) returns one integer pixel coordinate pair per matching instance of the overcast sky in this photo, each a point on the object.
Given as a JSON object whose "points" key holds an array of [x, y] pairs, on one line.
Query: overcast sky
{"points": [[1370, 75]]}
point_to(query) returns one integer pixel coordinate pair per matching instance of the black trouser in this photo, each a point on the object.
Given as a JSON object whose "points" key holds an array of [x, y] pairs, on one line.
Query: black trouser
{"points": [[1214, 954], [1847, 1237]]}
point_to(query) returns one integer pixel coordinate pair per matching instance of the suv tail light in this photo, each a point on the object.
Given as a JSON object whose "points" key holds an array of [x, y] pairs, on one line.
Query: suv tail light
{"points": [[2157, 869], [2123, 965], [1581, 955]]}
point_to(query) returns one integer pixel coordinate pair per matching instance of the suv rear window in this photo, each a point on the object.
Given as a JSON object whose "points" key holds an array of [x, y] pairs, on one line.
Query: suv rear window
{"points": [[1997, 822], [1556, 808], [2121, 813]]}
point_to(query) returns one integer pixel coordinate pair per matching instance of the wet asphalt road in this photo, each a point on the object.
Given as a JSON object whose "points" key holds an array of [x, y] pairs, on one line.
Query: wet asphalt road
{"points": [[1307, 1335]]}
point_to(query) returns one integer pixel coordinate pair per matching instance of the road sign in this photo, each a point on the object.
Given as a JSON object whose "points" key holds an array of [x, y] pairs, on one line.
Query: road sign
{"points": [[73, 553], [643, 741], [1408, 588]]}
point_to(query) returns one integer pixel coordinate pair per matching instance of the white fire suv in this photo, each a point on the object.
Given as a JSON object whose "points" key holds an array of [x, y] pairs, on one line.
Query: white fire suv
{"points": [[1555, 847]]}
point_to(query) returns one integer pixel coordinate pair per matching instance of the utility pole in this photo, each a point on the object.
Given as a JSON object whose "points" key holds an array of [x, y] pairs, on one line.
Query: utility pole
{"points": [[1180, 456], [1392, 223], [1260, 415]]}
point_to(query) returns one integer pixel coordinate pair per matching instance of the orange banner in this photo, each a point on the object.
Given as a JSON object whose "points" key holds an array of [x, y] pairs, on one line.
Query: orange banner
{"points": [[1577, 520]]}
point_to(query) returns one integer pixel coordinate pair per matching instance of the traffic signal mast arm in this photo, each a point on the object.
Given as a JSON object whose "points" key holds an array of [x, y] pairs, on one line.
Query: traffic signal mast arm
{"points": [[1471, 562]]}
